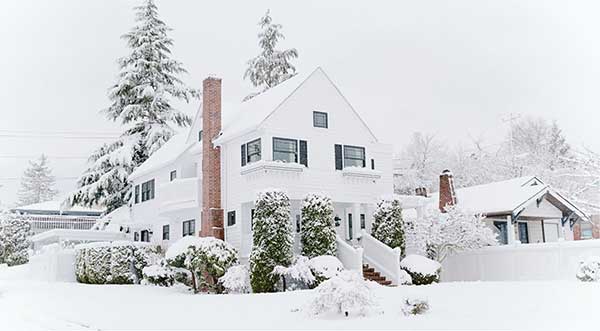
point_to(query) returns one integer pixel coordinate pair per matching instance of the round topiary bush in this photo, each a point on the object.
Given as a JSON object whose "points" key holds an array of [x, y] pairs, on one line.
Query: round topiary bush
{"points": [[422, 270]]}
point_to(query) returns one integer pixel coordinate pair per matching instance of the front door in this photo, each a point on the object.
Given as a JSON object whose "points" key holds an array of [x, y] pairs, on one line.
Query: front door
{"points": [[523, 234]]}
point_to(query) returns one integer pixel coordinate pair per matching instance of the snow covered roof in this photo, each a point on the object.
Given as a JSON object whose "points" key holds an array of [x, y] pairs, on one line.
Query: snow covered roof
{"points": [[506, 197], [56, 207], [165, 155]]}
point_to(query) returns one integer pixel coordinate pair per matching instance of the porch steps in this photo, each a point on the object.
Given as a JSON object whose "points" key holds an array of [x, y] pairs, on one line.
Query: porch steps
{"points": [[370, 274]]}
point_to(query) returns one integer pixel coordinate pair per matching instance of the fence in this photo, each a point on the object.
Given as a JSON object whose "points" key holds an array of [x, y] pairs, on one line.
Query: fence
{"points": [[544, 261]]}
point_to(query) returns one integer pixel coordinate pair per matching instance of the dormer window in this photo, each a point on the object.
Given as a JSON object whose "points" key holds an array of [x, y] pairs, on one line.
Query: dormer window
{"points": [[320, 119]]}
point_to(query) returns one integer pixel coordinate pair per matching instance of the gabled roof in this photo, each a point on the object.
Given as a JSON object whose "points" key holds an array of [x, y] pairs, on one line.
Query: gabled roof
{"points": [[508, 197], [237, 119]]}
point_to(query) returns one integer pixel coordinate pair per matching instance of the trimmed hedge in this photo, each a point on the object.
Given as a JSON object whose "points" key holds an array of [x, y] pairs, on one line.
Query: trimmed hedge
{"points": [[113, 262]]}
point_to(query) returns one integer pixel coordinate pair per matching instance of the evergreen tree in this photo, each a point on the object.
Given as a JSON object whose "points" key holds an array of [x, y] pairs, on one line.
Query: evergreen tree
{"points": [[388, 226], [37, 183], [141, 100], [318, 235], [272, 239], [14, 241], [271, 66]]}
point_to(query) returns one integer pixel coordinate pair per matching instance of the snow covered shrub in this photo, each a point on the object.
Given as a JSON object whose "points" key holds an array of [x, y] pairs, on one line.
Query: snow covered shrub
{"points": [[236, 280], [113, 263], [346, 293], [589, 269], [439, 235], [160, 274], [207, 259], [325, 267], [14, 242], [388, 226], [297, 276], [318, 235], [415, 307], [272, 240], [422, 270]]}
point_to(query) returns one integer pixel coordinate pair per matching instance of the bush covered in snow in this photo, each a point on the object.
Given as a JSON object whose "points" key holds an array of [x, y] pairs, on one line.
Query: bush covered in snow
{"points": [[415, 307], [589, 269], [422, 270], [345, 294], [318, 235], [388, 226], [207, 259], [160, 274], [113, 263], [325, 267], [14, 242], [272, 240], [236, 280], [297, 276]]}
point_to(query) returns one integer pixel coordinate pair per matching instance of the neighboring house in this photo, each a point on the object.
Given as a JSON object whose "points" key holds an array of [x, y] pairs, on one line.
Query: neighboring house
{"points": [[301, 136], [521, 210], [585, 230], [49, 215]]}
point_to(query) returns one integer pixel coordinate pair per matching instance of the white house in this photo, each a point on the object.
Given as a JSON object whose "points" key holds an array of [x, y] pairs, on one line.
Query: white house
{"points": [[301, 136], [521, 210]]}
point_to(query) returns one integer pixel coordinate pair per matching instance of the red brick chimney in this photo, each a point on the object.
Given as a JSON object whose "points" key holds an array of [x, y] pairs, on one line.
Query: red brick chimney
{"points": [[421, 191], [447, 194], [212, 213]]}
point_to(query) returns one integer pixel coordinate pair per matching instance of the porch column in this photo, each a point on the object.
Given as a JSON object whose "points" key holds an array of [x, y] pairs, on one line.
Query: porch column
{"points": [[561, 231], [510, 231], [355, 219]]}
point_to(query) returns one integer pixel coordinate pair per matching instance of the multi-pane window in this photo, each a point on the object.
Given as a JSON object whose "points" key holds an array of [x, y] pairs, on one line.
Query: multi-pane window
{"points": [[285, 150], [166, 233], [354, 156], [173, 175], [251, 152], [145, 234], [148, 190], [319, 119], [189, 227], [137, 194], [231, 218]]}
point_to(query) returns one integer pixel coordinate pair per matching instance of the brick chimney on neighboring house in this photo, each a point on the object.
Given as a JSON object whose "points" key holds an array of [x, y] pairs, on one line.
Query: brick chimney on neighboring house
{"points": [[421, 191], [212, 212], [447, 194]]}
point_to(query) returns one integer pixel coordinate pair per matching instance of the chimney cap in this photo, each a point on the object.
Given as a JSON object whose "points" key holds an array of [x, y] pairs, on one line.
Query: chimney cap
{"points": [[447, 172]]}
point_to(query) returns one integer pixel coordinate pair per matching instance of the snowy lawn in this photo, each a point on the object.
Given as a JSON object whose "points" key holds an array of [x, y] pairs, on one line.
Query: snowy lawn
{"points": [[37, 305]]}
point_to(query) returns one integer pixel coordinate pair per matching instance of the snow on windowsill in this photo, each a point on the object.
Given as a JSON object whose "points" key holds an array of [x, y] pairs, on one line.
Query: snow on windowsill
{"points": [[361, 172], [271, 165]]}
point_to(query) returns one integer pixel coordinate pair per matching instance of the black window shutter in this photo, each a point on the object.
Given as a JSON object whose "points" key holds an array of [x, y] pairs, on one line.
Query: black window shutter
{"points": [[373, 164], [243, 155], [339, 162], [303, 153]]}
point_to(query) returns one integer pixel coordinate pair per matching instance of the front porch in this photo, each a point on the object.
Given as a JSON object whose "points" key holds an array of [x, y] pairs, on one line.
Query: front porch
{"points": [[529, 230]]}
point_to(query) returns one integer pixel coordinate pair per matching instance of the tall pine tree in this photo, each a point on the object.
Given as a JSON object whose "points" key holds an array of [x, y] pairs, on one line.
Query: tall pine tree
{"points": [[37, 183], [271, 66], [148, 83]]}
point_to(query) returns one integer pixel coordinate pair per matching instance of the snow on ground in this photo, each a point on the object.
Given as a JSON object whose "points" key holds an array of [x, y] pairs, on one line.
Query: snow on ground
{"points": [[36, 305]]}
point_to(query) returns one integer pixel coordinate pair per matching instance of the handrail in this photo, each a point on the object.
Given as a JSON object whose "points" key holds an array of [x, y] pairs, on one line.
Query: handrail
{"points": [[384, 259], [350, 257]]}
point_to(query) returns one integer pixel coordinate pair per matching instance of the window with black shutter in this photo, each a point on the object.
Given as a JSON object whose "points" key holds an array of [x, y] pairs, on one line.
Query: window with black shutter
{"points": [[303, 153], [363, 221], [243, 155], [354, 156], [231, 218], [339, 161], [148, 190], [285, 150]]}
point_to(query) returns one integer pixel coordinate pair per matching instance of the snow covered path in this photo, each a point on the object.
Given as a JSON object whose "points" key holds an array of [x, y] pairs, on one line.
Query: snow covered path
{"points": [[37, 305]]}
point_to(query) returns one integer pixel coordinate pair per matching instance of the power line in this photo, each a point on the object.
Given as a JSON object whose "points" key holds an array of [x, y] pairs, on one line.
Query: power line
{"points": [[106, 133], [2, 135], [56, 178], [31, 157]]}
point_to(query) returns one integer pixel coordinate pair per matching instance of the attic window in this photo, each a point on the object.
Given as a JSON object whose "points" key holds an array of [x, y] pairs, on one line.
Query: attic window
{"points": [[319, 119]]}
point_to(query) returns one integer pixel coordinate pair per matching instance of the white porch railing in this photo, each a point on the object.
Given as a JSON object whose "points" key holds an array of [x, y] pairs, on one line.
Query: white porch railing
{"points": [[381, 257], [350, 257]]}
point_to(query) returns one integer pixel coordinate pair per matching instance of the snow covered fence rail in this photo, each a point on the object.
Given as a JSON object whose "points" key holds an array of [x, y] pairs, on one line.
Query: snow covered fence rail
{"points": [[544, 261], [351, 258]]}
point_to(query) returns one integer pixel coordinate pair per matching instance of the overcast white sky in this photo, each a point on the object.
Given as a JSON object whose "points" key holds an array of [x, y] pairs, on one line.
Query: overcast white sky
{"points": [[453, 68]]}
